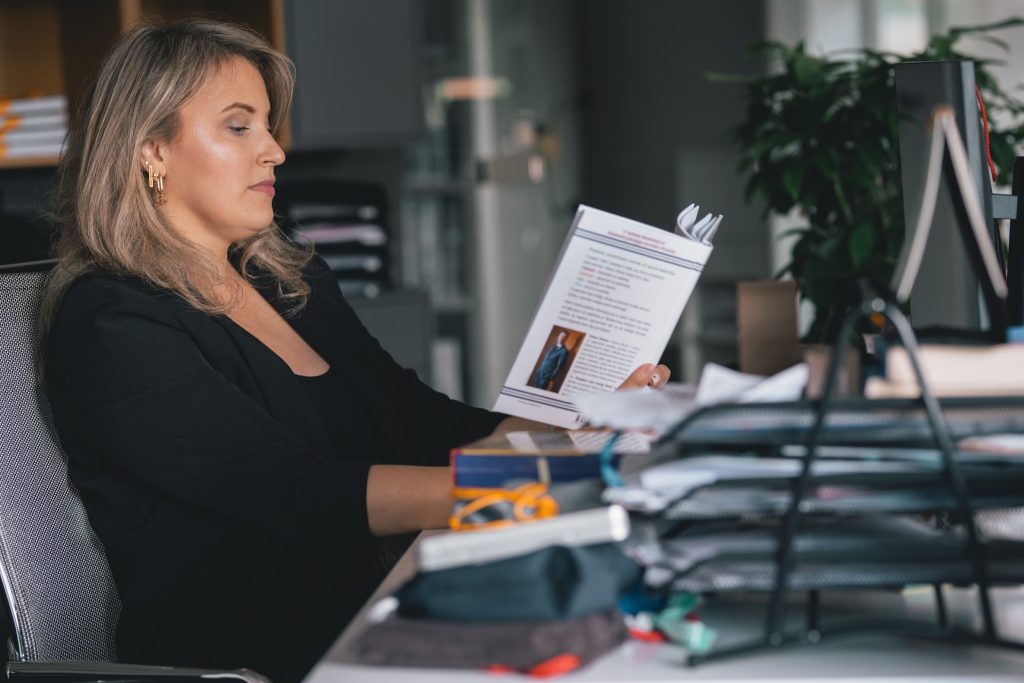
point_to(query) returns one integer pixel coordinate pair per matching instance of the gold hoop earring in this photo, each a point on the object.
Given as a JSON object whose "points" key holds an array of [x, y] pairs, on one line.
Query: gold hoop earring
{"points": [[155, 181]]}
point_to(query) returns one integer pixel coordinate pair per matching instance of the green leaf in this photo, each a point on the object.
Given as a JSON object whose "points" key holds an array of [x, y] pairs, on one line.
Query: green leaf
{"points": [[791, 232], [770, 46], [792, 179], [862, 245], [828, 247], [1002, 44], [808, 70], [1011, 22], [941, 45], [765, 145]]}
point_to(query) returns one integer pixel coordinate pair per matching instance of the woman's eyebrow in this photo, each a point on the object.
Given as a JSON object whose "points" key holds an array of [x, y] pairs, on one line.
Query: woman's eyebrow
{"points": [[239, 105]]}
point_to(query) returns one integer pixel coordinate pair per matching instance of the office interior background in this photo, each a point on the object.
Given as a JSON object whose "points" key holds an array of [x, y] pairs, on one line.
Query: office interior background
{"points": [[486, 122]]}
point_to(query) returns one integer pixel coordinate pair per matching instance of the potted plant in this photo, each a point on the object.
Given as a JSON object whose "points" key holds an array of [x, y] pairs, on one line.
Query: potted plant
{"points": [[820, 135]]}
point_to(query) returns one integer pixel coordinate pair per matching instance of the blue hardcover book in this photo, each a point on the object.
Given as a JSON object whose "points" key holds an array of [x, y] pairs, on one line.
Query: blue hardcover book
{"points": [[548, 457]]}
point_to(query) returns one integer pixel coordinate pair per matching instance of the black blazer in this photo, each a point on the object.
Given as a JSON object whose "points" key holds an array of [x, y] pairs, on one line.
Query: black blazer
{"points": [[237, 535]]}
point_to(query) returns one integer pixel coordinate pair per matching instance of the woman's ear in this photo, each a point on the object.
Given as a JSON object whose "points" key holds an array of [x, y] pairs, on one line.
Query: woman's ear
{"points": [[153, 155]]}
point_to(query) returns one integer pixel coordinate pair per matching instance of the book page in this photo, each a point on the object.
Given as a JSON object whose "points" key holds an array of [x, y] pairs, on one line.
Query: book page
{"points": [[616, 294]]}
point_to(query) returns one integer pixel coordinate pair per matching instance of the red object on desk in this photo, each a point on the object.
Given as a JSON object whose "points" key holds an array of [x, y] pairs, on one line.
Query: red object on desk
{"points": [[556, 666], [499, 669], [647, 636]]}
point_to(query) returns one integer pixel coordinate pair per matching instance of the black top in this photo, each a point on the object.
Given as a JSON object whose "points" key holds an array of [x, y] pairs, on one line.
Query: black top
{"points": [[331, 398], [233, 516]]}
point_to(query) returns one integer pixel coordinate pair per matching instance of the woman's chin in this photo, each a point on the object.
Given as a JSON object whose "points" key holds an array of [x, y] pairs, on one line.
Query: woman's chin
{"points": [[249, 233]]}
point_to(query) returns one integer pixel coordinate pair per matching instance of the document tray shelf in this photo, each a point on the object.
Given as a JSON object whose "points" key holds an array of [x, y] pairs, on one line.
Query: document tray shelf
{"points": [[847, 496], [787, 565], [830, 554], [856, 421]]}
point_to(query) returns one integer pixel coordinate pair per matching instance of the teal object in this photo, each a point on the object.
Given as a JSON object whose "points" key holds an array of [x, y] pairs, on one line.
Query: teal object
{"points": [[674, 621], [611, 476]]}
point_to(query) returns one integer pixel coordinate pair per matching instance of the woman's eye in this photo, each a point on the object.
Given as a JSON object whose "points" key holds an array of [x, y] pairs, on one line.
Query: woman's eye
{"points": [[238, 129]]}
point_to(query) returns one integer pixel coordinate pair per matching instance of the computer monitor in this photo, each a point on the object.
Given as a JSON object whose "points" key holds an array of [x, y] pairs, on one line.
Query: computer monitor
{"points": [[946, 294]]}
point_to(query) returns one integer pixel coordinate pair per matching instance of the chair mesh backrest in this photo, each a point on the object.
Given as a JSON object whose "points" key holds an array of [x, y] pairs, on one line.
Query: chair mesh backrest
{"points": [[55, 573]]}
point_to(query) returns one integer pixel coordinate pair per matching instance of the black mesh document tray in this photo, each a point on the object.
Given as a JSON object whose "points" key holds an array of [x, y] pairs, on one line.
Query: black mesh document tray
{"points": [[848, 421], [870, 552]]}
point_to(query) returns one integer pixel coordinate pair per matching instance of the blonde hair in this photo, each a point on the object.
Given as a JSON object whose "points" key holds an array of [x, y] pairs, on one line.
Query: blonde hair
{"points": [[103, 209]]}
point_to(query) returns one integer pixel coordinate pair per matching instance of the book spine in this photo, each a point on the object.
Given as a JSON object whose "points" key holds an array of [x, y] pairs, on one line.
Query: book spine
{"points": [[17, 137], [494, 471], [26, 105], [20, 151], [44, 121]]}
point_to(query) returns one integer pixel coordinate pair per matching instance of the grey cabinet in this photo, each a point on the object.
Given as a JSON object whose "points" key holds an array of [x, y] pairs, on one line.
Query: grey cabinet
{"points": [[402, 321], [358, 79]]}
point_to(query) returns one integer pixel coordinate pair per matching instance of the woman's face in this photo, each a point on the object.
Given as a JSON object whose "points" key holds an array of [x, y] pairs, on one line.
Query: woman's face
{"points": [[219, 167]]}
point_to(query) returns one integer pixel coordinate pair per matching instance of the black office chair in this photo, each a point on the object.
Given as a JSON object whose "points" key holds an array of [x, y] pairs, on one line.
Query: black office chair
{"points": [[62, 598], [25, 237]]}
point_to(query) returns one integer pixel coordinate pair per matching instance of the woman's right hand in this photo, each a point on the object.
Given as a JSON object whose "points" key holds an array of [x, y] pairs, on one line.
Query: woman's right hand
{"points": [[647, 375]]}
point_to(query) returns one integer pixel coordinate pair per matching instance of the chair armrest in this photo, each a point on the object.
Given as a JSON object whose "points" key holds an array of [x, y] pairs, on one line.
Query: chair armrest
{"points": [[110, 671]]}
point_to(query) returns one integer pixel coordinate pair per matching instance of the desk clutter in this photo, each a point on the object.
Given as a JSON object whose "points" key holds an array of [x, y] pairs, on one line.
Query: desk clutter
{"points": [[568, 541], [540, 599], [837, 493], [891, 469]]}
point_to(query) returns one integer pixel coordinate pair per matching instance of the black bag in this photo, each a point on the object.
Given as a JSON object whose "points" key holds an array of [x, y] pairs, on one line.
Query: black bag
{"points": [[558, 582], [518, 645]]}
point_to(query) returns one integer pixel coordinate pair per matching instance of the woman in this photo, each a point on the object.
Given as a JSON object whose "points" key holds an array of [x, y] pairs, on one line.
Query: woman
{"points": [[238, 438]]}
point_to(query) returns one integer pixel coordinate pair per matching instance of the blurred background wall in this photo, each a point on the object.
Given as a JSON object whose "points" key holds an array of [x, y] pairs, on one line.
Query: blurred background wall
{"points": [[484, 124]]}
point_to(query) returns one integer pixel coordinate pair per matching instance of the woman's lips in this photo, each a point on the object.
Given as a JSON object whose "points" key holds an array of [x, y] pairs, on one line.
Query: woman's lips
{"points": [[266, 187]]}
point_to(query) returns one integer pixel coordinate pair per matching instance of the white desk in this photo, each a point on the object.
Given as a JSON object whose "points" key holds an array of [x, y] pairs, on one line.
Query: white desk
{"points": [[847, 660]]}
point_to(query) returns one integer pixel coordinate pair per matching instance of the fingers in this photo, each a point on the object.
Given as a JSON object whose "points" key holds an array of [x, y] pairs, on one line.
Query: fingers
{"points": [[639, 378], [659, 376], [647, 375]]}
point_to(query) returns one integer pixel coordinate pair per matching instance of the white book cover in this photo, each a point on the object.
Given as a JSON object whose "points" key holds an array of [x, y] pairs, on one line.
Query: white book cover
{"points": [[611, 305]]}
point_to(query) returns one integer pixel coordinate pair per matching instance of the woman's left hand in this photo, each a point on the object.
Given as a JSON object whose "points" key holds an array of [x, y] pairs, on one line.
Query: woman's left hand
{"points": [[647, 375]]}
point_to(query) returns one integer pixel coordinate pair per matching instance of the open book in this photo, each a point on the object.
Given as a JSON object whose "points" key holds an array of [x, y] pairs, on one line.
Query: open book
{"points": [[616, 294]]}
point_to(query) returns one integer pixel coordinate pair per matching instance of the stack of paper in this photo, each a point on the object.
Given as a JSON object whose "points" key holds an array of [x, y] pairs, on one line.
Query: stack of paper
{"points": [[655, 488], [659, 410]]}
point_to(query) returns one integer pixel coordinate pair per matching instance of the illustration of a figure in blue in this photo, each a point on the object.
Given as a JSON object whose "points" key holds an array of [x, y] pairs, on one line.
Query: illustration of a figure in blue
{"points": [[553, 361]]}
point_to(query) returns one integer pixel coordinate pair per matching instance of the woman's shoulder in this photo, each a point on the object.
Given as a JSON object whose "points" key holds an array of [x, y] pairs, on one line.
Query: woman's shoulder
{"points": [[100, 317], [321, 278], [100, 287], [96, 294], [316, 269]]}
